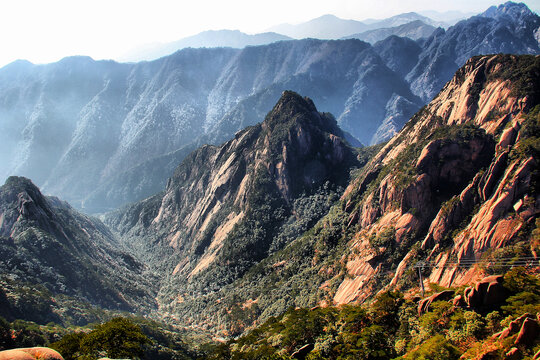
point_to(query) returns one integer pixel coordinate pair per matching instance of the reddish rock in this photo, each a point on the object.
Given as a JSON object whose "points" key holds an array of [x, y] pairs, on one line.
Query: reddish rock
{"points": [[459, 301], [472, 297], [529, 332], [537, 355], [487, 292], [423, 305], [35, 353], [513, 354], [514, 326]]}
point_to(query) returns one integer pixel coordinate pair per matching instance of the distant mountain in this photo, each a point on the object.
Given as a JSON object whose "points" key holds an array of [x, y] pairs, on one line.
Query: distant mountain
{"points": [[509, 28], [101, 134], [332, 27], [449, 17], [209, 39], [71, 261], [414, 30], [324, 27], [124, 117]]}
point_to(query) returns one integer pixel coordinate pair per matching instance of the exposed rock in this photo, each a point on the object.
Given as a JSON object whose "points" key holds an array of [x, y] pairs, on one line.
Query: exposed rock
{"points": [[529, 333], [303, 352], [513, 354], [459, 301], [94, 268], [35, 353], [423, 305], [487, 292], [513, 327]]}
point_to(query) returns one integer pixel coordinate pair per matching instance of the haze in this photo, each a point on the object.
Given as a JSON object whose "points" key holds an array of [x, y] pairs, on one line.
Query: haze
{"points": [[46, 31]]}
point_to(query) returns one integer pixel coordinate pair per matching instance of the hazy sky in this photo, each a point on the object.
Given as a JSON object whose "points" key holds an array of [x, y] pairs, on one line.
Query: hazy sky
{"points": [[47, 30]]}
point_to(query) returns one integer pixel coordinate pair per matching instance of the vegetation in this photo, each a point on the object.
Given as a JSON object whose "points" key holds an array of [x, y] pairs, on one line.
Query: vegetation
{"points": [[390, 328], [120, 337]]}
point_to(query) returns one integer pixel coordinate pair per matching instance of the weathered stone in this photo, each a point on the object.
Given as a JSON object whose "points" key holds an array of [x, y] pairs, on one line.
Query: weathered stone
{"points": [[472, 297], [423, 305], [529, 332], [35, 353], [487, 292], [459, 301], [303, 351], [512, 354], [514, 326]]}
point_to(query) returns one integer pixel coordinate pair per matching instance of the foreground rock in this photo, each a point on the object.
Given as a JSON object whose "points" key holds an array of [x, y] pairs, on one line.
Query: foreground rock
{"points": [[35, 353]]}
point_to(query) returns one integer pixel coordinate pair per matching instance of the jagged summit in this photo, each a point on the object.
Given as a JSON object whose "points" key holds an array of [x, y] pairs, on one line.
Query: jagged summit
{"points": [[292, 107], [510, 8]]}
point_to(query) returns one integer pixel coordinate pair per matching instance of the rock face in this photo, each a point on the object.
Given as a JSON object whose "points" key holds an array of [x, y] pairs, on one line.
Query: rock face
{"points": [[101, 134], [224, 208], [35, 353], [423, 305], [448, 178], [487, 293], [64, 256]]}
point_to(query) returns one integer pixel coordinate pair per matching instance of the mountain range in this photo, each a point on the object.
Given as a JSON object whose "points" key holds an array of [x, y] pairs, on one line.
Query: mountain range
{"points": [[288, 214], [101, 134], [261, 223], [209, 38], [332, 27]]}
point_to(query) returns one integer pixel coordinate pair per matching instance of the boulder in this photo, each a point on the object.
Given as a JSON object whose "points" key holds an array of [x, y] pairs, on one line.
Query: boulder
{"points": [[512, 354], [514, 326], [423, 305], [459, 301], [472, 297], [488, 292], [529, 332], [35, 353], [303, 351]]}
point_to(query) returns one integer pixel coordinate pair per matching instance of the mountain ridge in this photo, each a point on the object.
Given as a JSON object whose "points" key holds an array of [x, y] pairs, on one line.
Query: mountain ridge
{"points": [[128, 118]]}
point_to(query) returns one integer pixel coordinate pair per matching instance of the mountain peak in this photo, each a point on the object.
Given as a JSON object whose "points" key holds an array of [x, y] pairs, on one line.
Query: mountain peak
{"points": [[293, 108], [509, 8]]}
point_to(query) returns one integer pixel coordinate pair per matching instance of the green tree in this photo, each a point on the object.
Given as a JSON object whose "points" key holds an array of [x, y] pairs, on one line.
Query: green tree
{"points": [[117, 338], [435, 348], [70, 345]]}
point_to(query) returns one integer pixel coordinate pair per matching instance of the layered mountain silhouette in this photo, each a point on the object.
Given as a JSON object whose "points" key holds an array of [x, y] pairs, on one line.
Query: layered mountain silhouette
{"points": [[333, 27], [210, 38], [100, 134], [414, 30]]}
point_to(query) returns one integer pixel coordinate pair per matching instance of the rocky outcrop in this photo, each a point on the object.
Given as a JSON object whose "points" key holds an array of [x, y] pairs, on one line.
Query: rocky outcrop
{"points": [[35, 353], [454, 188], [487, 293], [515, 326], [529, 332], [423, 305]]}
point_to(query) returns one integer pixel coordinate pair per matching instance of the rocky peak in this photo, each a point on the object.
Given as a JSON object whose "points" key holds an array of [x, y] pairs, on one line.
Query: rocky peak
{"points": [[21, 200], [511, 9]]}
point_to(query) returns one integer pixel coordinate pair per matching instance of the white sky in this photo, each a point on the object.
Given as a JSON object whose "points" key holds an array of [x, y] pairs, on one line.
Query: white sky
{"points": [[47, 30]]}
